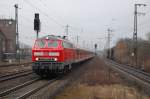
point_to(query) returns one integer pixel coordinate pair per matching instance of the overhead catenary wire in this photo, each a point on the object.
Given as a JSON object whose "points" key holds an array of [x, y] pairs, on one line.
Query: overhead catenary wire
{"points": [[43, 13], [45, 6], [71, 27], [46, 15], [43, 3]]}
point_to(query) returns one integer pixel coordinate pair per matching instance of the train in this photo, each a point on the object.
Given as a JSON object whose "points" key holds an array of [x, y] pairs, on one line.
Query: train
{"points": [[55, 55]]}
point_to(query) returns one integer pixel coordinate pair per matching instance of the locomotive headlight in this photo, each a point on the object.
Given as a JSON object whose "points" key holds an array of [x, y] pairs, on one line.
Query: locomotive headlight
{"points": [[36, 59], [55, 59], [38, 53], [53, 53]]}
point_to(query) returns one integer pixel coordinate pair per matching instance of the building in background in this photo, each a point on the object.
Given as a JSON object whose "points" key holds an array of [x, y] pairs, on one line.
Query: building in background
{"points": [[2, 44], [7, 36]]}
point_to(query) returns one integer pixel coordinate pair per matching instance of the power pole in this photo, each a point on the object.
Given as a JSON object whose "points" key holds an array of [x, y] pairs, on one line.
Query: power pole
{"points": [[17, 33], [108, 42], [83, 44], [77, 40], [67, 29], [135, 41]]}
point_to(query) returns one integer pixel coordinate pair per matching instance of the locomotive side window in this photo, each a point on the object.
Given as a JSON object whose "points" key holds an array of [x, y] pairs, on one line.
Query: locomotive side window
{"points": [[67, 45], [40, 43], [71, 45], [52, 44], [64, 45]]}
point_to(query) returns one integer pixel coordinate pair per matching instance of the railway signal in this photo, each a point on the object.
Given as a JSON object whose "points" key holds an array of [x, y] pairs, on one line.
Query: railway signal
{"points": [[37, 24]]}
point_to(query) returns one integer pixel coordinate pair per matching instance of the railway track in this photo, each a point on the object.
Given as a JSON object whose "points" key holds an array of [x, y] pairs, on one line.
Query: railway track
{"points": [[17, 87], [25, 90], [39, 88], [136, 72], [15, 64], [12, 76], [139, 76]]}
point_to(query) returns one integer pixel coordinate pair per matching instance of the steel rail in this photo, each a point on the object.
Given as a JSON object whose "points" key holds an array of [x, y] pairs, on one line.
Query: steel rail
{"points": [[4, 93], [31, 92], [136, 73], [129, 67], [2, 76], [15, 64], [137, 70], [9, 77]]}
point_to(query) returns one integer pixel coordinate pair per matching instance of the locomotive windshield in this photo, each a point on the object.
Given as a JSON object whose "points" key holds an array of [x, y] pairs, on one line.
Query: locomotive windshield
{"points": [[52, 43], [46, 43], [40, 43]]}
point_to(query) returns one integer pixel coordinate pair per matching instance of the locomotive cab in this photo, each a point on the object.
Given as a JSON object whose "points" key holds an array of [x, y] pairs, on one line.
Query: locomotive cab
{"points": [[47, 50], [47, 55]]}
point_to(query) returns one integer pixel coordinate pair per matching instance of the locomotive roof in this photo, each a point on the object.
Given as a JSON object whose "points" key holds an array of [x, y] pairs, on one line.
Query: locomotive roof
{"points": [[53, 37], [58, 38]]}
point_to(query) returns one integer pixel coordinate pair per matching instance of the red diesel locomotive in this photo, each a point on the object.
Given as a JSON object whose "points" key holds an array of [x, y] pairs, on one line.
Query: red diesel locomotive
{"points": [[52, 54]]}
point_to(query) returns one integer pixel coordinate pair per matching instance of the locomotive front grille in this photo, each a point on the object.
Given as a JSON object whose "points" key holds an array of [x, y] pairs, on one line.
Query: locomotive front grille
{"points": [[48, 66]]}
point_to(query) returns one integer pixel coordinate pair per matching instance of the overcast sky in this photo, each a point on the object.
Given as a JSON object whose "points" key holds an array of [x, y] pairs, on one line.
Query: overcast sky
{"points": [[89, 19]]}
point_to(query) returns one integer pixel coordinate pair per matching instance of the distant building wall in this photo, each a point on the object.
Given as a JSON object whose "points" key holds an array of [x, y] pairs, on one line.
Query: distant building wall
{"points": [[2, 44], [8, 28]]}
